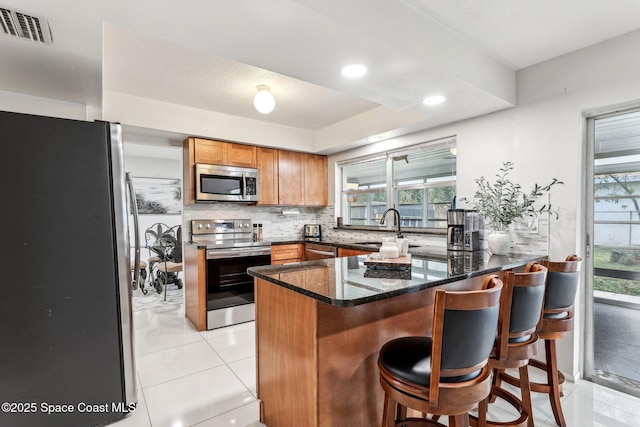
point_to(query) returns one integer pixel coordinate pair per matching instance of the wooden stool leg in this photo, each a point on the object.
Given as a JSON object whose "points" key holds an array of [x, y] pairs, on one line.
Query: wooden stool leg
{"points": [[525, 392], [483, 407], [553, 381], [497, 380], [388, 412], [401, 412], [461, 420]]}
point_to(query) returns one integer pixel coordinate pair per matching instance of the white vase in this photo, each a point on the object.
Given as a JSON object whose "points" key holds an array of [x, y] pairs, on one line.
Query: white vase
{"points": [[499, 242]]}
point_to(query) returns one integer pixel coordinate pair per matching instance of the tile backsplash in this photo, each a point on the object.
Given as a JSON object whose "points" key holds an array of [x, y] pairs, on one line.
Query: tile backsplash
{"points": [[287, 223], [275, 224]]}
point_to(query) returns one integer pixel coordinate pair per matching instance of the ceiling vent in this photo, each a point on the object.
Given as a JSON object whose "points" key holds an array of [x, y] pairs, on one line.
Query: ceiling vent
{"points": [[24, 26]]}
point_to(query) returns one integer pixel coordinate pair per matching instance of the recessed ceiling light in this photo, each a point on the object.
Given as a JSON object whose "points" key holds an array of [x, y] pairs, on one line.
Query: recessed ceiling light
{"points": [[354, 70], [434, 100], [375, 138]]}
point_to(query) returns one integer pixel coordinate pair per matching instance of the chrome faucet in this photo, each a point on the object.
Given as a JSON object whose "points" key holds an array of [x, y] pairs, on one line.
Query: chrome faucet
{"points": [[384, 215]]}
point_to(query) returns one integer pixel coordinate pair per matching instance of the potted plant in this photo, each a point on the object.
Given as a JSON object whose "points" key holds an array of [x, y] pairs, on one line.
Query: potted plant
{"points": [[504, 202]]}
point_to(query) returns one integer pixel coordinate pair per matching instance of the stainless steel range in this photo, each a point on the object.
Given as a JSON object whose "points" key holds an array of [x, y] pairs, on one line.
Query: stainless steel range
{"points": [[230, 251]]}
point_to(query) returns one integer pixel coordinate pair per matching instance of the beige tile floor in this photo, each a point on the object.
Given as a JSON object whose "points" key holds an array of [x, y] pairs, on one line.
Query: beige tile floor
{"points": [[207, 379]]}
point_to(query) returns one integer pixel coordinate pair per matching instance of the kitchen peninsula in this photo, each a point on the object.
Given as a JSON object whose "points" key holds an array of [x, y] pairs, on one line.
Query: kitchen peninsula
{"points": [[320, 324]]}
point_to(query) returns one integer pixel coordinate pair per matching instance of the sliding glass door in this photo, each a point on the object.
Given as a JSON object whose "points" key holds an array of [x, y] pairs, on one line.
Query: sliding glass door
{"points": [[613, 251]]}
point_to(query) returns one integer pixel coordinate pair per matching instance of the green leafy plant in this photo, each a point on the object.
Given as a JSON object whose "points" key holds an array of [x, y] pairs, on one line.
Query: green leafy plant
{"points": [[503, 202]]}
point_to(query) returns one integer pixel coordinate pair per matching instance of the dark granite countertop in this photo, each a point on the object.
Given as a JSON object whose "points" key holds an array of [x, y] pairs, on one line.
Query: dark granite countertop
{"points": [[363, 244], [346, 282]]}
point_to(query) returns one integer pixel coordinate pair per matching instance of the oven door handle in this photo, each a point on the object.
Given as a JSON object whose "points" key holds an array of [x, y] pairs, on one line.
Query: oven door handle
{"points": [[315, 251], [231, 253]]}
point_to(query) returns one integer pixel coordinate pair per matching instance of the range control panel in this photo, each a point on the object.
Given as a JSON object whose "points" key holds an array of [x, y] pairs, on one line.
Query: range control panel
{"points": [[220, 226]]}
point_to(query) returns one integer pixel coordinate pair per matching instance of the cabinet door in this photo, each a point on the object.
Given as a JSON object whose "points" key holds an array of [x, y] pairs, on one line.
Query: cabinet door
{"points": [[287, 253], [267, 159], [351, 252], [241, 155], [317, 280], [290, 178], [210, 152], [315, 180]]}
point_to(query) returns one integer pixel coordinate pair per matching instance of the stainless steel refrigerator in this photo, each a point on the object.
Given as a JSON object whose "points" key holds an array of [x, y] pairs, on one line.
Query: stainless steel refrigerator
{"points": [[66, 350]]}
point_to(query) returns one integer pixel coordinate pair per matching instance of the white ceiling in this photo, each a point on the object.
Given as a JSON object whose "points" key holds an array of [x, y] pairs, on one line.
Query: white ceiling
{"points": [[211, 55]]}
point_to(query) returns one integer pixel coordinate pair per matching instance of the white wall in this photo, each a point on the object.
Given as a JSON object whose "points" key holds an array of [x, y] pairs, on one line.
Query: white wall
{"points": [[26, 104], [544, 137], [151, 114]]}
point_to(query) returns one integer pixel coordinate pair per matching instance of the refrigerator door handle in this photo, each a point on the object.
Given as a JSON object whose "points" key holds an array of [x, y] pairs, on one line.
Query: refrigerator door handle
{"points": [[124, 261], [136, 234]]}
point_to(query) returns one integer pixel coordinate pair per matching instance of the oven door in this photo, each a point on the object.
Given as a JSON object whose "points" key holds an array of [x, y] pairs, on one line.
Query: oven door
{"points": [[230, 294], [226, 183]]}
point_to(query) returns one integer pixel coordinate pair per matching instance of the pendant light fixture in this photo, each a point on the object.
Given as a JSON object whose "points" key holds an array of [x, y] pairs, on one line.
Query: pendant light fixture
{"points": [[264, 100]]}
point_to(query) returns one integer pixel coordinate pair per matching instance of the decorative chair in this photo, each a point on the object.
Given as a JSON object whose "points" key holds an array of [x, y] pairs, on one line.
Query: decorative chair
{"points": [[166, 243], [557, 319], [517, 340], [142, 267], [447, 373]]}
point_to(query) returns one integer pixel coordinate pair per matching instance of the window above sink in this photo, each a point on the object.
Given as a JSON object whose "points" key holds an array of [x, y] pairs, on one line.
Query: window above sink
{"points": [[419, 181]]}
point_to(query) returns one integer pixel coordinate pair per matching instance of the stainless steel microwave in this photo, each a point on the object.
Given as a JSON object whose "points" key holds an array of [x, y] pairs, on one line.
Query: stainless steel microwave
{"points": [[226, 184]]}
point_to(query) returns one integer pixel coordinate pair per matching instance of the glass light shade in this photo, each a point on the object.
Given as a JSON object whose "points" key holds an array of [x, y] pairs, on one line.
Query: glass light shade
{"points": [[264, 100]]}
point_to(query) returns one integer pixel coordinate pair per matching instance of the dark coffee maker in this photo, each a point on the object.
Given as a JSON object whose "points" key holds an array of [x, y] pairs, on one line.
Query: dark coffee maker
{"points": [[455, 229]]}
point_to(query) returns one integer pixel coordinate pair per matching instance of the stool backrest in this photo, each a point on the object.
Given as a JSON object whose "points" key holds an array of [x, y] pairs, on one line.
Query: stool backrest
{"points": [[464, 328], [520, 307], [562, 284]]}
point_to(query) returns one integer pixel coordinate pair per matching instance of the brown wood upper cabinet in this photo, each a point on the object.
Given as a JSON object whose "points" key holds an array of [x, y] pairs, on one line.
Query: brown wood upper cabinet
{"points": [[290, 178], [302, 179], [224, 153], [267, 176], [241, 155], [315, 180]]}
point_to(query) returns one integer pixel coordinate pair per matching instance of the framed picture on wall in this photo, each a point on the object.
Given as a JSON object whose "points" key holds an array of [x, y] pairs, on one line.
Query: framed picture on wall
{"points": [[158, 196]]}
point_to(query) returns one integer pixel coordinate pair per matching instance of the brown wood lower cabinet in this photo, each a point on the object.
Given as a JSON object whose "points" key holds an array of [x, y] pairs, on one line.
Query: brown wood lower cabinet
{"points": [[282, 254], [351, 252], [317, 363], [195, 285]]}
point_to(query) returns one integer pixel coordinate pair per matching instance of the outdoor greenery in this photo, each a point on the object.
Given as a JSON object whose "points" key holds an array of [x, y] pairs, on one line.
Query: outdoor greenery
{"points": [[606, 258], [411, 197], [504, 202]]}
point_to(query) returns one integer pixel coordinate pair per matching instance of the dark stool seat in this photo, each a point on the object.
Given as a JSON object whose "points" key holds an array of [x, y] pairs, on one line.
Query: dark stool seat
{"points": [[557, 319], [447, 373]]}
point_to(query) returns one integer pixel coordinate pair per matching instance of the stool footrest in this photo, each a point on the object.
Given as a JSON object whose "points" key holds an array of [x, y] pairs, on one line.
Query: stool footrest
{"points": [[512, 400], [418, 422], [537, 387]]}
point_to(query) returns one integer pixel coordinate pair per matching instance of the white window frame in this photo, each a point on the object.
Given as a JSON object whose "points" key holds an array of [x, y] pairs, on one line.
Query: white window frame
{"points": [[391, 189]]}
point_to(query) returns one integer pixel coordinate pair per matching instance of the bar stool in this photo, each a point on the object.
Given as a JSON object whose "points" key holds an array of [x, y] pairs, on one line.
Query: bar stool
{"points": [[516, 341], [557, 319], [447, 373]]}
